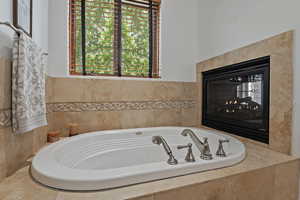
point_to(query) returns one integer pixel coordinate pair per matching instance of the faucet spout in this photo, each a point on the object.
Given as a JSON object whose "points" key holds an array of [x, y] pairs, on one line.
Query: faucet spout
{"points": [[203, 147], [159, 140], [199, 144]]}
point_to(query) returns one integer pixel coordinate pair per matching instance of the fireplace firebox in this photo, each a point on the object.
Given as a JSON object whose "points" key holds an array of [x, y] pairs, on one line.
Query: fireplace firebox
{"points": [[236, 99]]}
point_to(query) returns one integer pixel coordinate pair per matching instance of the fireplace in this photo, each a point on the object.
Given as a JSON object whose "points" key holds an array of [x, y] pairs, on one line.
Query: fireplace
{"points": [[236, 99]]}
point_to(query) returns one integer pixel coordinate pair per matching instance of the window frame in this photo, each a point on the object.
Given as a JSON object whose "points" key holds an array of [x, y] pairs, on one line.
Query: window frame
{"points": [[154, 40]]}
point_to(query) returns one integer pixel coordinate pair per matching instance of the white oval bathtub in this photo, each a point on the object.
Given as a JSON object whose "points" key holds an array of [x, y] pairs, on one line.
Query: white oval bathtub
{"points": [[109, 159]]}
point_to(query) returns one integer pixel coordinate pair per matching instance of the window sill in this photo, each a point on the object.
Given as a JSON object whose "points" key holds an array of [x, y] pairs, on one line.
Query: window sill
{"points": [[113, 77]]}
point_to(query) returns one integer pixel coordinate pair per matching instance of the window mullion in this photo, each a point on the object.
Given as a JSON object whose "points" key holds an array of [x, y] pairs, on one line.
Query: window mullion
{"points": [[150, 38], [83, 37], [118, 38]]}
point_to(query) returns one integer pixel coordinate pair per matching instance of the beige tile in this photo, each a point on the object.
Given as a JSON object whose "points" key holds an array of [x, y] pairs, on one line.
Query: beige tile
{"points": [[3, 167], [49, 90], [137, 119], [39, 138], [17, 149], [248, 186], [92, 121], [190, 91], [100, 195], [21, 187], [177, 194], [77, 196], [105, 120], [168, 90], [188, 117], [167, 117], [70, 90], [287, 181], [57, 121], [101, 90], [137, 90], [281, 97], [109, 120], [87, 121], [256, 184], [5, 83], [151, 197]]}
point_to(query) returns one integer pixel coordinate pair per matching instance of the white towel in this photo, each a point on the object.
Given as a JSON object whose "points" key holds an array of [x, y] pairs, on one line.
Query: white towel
{"points": [[28, 85]]}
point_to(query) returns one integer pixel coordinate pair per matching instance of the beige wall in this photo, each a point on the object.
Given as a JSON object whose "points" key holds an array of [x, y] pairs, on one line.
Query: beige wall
{"points": [[98, 104]]}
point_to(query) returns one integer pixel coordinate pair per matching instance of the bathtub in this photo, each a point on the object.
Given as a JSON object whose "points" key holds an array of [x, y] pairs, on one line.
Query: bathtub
{"points": [[110, 159]]}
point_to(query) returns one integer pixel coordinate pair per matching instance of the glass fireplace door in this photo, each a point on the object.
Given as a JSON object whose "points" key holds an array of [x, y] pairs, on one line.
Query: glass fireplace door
{"points": [[237, 100]]}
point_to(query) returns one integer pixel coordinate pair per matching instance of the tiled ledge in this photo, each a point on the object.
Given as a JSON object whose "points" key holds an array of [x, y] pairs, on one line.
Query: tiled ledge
{"points": [[5, 115], [276, 173]]}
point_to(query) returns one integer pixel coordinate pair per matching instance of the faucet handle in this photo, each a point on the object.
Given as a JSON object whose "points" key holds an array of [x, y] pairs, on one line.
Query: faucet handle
{"points": [[205, 143], [224, 141], [189, 145], [189, 156], [220, 152], [206, 154]]}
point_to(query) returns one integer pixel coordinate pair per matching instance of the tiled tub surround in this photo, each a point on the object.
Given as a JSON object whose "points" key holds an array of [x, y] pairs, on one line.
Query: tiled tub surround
{"points": [[93, 105], [101, 104], [263, 175], [280, 49], [14, 149]]}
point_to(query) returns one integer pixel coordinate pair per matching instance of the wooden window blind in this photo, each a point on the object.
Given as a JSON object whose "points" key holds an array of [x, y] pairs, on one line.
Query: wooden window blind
{"points": [[114, 37]]}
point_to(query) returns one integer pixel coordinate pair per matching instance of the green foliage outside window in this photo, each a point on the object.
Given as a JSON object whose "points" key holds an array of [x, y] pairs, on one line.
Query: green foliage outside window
{"points": [[100, 27]]}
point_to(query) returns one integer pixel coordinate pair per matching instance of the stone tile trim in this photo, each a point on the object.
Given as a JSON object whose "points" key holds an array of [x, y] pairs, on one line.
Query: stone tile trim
{"points": [[5, 115], [5, 118], [119, 106]]}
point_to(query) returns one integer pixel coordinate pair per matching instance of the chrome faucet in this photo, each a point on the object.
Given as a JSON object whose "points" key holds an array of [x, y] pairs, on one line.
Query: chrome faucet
{"points": [[189, 156], [203, 147], [160, 140], [220, 152]]}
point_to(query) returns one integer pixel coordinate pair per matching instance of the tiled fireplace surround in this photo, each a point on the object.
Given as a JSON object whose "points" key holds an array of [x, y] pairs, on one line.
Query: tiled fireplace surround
{"points": [[98, 104]]}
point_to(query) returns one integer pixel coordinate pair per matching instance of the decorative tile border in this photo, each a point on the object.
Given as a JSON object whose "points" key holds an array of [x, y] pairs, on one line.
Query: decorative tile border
{"points": [[119, 106], [5, 118], [5, 115]]}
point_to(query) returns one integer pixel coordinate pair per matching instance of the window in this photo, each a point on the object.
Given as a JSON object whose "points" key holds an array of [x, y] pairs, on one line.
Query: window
{"points": [[114, 37]]}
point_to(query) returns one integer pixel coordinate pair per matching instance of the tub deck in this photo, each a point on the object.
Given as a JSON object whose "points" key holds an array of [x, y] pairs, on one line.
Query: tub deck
{"points": [[263, 175]]}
